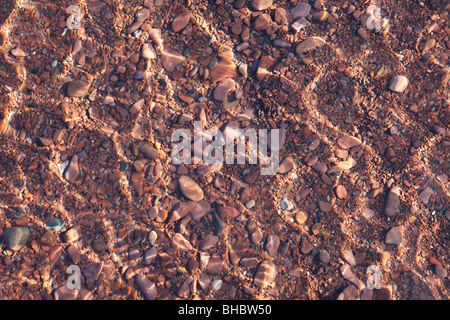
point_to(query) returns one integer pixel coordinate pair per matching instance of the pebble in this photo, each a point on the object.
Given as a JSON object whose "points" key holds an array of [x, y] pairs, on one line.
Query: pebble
{"points": [[74, 253], [150, 255], [392, 207], [190, 189], [170, 59], [72, 171], [257, 236], [148, 52], [260, 5], [286, 165], [19, 53], [349, 257], [394, 236], [181, 21], [341, 192], [301, 10], [425, 195], [348, 274], [299, 24], [310, 44], [221, 91], [64, 293], [208, 242], [227, 212], [262, 22], [99, 245], [266, 274], [77, 88], [48, 239], [204, 280], [71, 235], [325, 206], [398, 83], [440, 271], [55, 224], [148, 151], [324, 256], [272, 244], [16, 237], [300, 217], [286, 204], [179, 242], [250, 204], [146, 286], [306, 246], [347, 142]]}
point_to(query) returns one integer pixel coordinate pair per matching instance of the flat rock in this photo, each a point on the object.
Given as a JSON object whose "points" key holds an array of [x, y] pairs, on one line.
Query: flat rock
{"points": [[392, 207], [147, 287], [181, 21], [190, 188], [272, 244], [266, 274], [179, 242], [208, 242], [221, 91], [310, 44], [349, 257], [398, 83], [148, 151], [77, 88], [16, 237], [72, 171], [394, 236], [170, 59], [286, 165], [260, 5], [347, 142], [425, 195], [301, 10]]}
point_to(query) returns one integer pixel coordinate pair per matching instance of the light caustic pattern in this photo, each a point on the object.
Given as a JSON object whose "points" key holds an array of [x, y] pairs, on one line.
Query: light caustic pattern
{"points": [[331, 104]]}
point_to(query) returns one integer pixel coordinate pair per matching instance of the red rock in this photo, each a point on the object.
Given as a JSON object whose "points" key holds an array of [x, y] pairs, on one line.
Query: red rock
{"points": [[170, 59], [348, 274], [77, 88], [264, 65], [146, 286], [325, 206], [286, 165], [394, 236], [179, 242], [301, 10], [73, 253], [260, 5], [310, 44], [64, 293], [347, 142], [227, 212], [190, 188], [72, 171], [324, 256], [266, 274], [181, 21], [392, 207], [425, 195], [208, 242], [306, 246], [341, 192], [272, 244], [148, 151], [398, 83], [221, 91]]}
